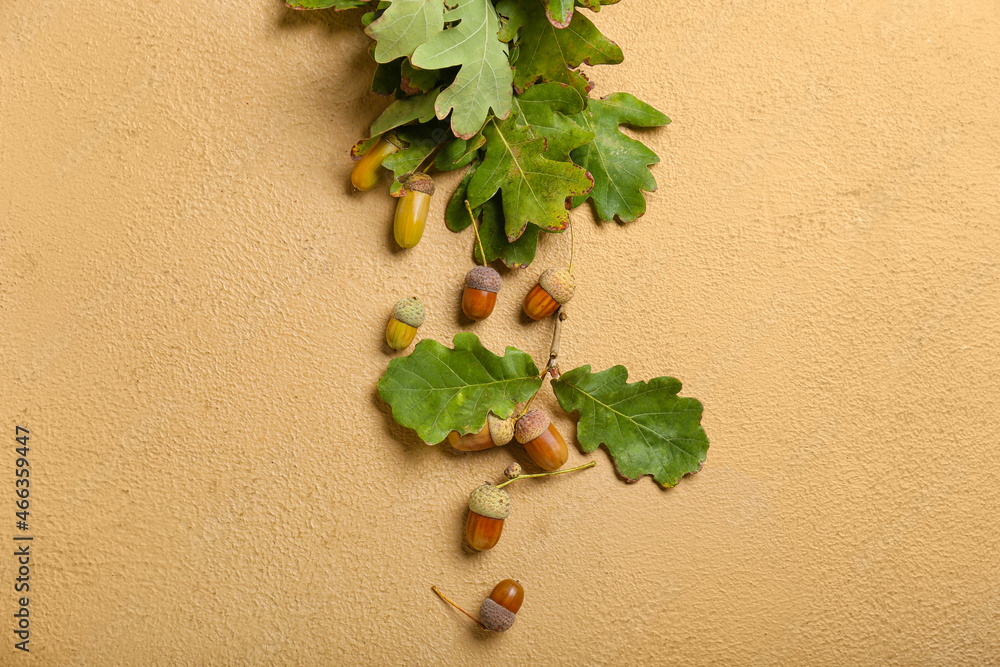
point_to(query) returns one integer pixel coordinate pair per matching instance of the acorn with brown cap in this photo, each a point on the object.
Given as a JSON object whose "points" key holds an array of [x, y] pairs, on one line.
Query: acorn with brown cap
{"points": [[543, 442], [480, 296]]}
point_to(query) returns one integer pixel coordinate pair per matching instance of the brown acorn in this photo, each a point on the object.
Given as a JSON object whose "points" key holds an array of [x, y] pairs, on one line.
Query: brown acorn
{"points": [[499, 611], [368, 170], [411, 209], [488, 507], [496, 432], [480, 296], [541, 439], [555, 288]]}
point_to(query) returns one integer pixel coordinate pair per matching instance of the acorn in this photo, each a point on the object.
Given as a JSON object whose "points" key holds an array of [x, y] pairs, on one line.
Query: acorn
{"points": [[407, 316], [541, 439], [555, 288], [512, 471], [412, 208], [488, 507], [499, 611], [368, 171], [496, 432], [480, 296]]}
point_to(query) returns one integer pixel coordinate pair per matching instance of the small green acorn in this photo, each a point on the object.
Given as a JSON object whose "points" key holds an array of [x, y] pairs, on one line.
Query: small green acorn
{"points": [[407, 316], [368, 170]]}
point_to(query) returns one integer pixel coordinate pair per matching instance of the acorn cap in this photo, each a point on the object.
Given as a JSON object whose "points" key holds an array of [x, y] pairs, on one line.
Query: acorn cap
{"points": [[410, 311], [501, 430], [512, 471], [483, 278], [418, 182], [491, 502], [495, 617], [531, 425], [391, 138], [559, 284]]}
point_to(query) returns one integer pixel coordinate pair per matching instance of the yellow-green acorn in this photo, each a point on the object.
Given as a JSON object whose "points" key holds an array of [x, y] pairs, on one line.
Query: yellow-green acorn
{"points": [[407, 316], [368, 170], [412, 208]]}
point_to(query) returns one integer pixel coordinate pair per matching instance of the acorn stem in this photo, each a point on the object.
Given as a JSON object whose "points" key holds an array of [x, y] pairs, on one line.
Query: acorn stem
{"points": [[572, 247], [430, 156], [591, 464], [553, 365], [527, 405], [443, 597], [475, 228]]}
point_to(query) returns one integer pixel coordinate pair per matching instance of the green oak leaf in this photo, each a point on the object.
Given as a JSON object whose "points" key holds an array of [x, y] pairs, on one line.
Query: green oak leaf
{"points": [[550, 53], [514, 254], [546, 108], [405, 25], [363, 146], [339, 5], [559, 12], [619, 164], [457, 153], [436, 390], [416, 108], [414, 81], [456, 216], [483, 82], [421, 140], [534, 187], [647, 428], [595, 5], [388, 78]]}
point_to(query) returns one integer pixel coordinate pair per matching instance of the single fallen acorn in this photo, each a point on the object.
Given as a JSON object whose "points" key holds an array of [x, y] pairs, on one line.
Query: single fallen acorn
{"points": [[489, 507], [407, 316], [499, 611]]}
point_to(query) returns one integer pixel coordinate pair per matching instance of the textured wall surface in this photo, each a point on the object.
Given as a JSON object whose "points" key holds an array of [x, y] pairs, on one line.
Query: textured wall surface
{"points": [[193, 304]]}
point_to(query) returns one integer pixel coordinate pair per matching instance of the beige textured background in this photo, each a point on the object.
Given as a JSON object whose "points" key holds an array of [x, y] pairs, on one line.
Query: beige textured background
{"points": [[193, 305]]}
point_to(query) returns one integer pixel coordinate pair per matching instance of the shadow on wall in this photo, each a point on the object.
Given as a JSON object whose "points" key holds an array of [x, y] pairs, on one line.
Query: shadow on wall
{"points": [[329, 20]]}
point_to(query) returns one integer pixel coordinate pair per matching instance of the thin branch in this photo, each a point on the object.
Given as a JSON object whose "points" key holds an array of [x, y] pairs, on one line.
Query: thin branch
{"points": [[475, 228], [553, 365], [442, 596], [589, 464]]}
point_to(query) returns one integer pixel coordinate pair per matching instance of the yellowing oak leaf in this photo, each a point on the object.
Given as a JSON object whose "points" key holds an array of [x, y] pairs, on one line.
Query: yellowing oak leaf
{"points": [[534, 188]]}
